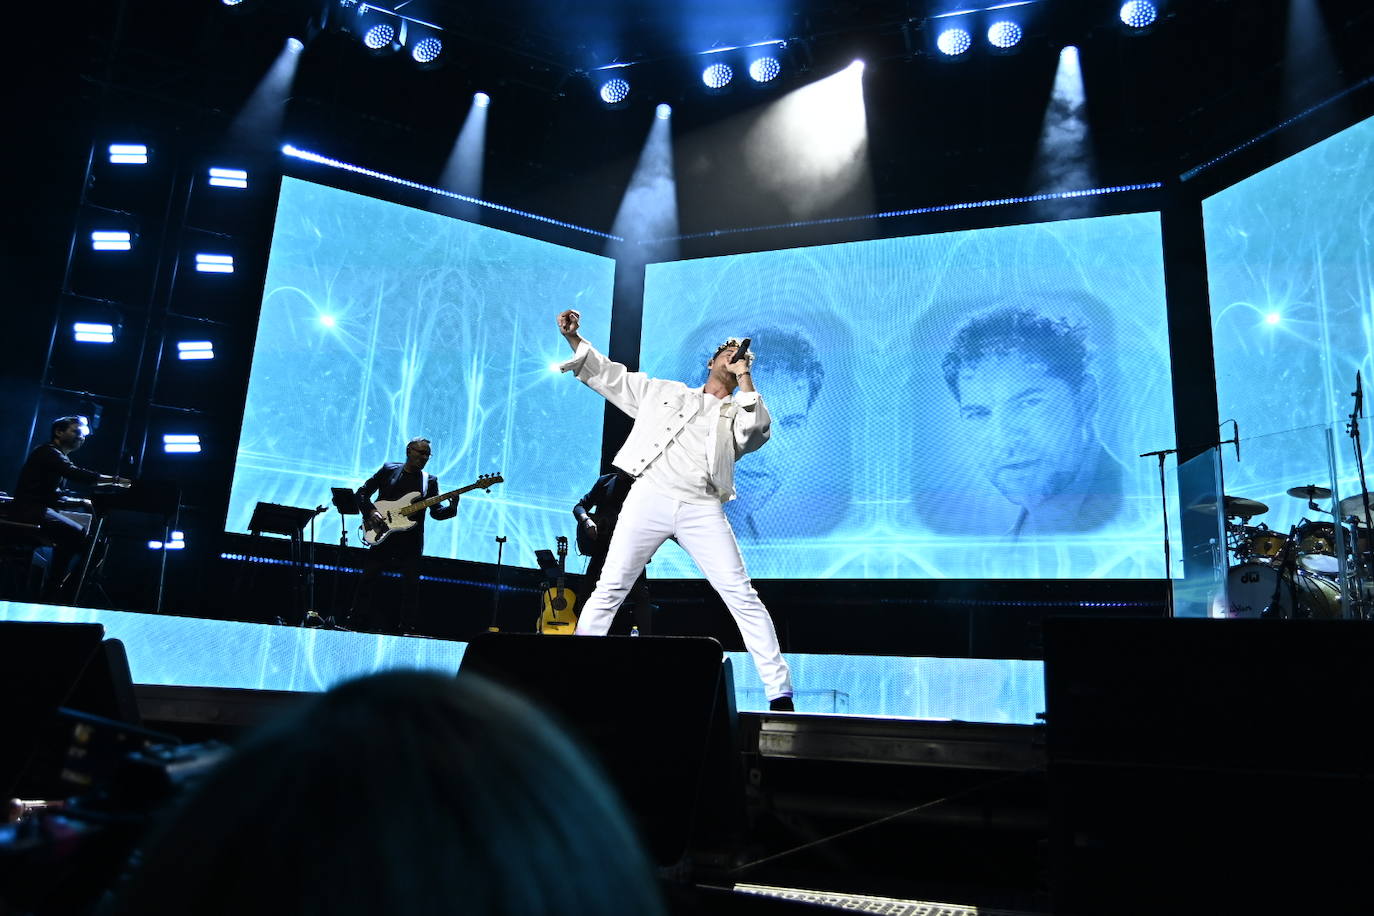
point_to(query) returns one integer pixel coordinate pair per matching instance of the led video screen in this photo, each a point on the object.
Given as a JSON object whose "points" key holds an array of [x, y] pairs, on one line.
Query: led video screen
{"points": [[1290, 264], [382, 322], [960, 405]]}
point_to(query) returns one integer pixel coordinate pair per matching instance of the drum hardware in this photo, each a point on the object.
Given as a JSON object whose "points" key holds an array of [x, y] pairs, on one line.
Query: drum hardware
{"points": [[1257, 590], [1310, 492], [1235, 507]]}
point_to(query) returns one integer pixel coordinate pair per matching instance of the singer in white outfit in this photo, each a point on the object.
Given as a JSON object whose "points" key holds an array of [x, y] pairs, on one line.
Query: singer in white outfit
{"points": [[682, 451]]}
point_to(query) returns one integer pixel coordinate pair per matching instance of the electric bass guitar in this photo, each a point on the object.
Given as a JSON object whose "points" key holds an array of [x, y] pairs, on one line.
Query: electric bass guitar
{"points": [[558, 618], [402, 514]]}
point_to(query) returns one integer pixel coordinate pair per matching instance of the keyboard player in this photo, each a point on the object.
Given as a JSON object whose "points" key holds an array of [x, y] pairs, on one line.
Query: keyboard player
{"points": [[38, 495]]}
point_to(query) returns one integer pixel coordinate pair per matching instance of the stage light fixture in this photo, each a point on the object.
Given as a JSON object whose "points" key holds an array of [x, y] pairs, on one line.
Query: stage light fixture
{"points": [[954, 41], [295, 45], [764, 69], [128, 154], [1004, 34], [195, 349], [1139, 14], [615, 91], [104, 240], [380, 37], [427, 51], [664, 111], [177, 542], [228, 178], [89, 332], [215, 263], [180, 443], [717, 76], [481, 99]]}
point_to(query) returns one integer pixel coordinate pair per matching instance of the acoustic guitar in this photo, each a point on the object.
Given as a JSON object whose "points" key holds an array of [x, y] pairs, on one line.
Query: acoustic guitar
{"points": [[558, 618], [402, 514]]}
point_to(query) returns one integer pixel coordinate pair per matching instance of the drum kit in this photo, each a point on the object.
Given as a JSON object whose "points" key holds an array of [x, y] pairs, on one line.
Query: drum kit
{"points": [[1297, 575]]}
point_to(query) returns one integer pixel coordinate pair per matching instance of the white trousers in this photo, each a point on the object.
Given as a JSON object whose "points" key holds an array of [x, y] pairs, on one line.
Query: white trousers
{"points": [[649, 518]]}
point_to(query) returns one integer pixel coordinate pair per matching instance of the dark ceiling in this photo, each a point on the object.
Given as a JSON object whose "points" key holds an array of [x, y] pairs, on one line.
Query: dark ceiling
{"points": [[1211, 75]]}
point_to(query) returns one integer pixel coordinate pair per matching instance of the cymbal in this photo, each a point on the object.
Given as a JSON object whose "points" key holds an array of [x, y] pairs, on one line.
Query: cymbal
{"points": [[1309, 492], [1354, 505], [1240, 507], [1236, 507]]}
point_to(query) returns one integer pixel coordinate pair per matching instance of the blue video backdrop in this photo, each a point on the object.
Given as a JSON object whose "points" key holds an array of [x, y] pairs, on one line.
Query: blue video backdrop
{"points": [[382, 322], [1290, 261], [959, 405]]}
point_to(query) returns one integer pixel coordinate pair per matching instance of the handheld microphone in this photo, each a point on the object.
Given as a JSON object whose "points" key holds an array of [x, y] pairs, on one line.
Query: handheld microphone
{"points": [[743, 350], [1235, 434], [1359, 394]]}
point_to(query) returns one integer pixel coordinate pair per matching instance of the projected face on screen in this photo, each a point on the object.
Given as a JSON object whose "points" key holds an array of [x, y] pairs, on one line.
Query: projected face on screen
{"points": [[961, 405], [382, 323], [1026, 403]]}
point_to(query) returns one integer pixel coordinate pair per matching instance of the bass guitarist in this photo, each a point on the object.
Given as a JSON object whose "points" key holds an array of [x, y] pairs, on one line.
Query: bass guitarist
{"points": [[402, 549]]}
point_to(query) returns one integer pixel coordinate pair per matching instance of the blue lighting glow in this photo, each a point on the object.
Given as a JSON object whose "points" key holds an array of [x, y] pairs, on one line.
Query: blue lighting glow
{"points": [[128, 154], [215, 263], [111, 241], [764, 69], [174, 443], [307, 156], [86, 332], [177, 542], [951, 501], [427, 50], [614, 91], [379, 36], [1273, 318], [481, 99], [328, 321], [717, 76], [953, 42], [376, 374], [195, 349], [252, 656], [295, 45], [1004, 34], [228, 178], [664, 111], [1139, 14]]}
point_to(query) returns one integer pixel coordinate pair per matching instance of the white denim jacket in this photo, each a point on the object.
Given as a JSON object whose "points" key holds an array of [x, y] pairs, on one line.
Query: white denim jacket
{"points": [[658, 408]]}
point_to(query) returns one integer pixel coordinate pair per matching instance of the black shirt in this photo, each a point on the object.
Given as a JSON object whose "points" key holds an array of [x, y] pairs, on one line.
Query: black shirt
{"points": [[42, 475]]}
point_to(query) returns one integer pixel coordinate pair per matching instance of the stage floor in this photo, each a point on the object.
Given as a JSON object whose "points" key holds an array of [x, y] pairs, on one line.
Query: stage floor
{"points": [[172, 651]]}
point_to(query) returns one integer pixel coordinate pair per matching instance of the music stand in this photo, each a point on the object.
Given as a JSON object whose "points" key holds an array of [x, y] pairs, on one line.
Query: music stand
{"points": [[141, 497], [271, 518], [346, 501]]}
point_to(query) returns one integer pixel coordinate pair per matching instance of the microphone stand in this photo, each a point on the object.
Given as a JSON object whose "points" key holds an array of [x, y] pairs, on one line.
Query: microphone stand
{"points": [[496, 592], [1164, 507], [1362, 563]]}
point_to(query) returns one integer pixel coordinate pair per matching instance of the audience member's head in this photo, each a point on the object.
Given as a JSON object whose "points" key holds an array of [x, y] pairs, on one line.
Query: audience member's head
{"points": [[405, 793]]}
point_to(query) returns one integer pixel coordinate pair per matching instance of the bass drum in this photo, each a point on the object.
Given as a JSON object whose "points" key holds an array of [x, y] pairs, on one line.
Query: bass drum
{"points": [[1250, 589]]}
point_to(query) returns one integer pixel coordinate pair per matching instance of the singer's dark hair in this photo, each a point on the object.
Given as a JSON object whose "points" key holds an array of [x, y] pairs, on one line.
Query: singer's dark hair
{"points": [[61, 424]]}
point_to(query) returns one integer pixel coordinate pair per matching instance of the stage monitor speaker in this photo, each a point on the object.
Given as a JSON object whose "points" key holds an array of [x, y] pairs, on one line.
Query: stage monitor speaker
{"points": [[47, 666], [1205, 766], [658, 713]]}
